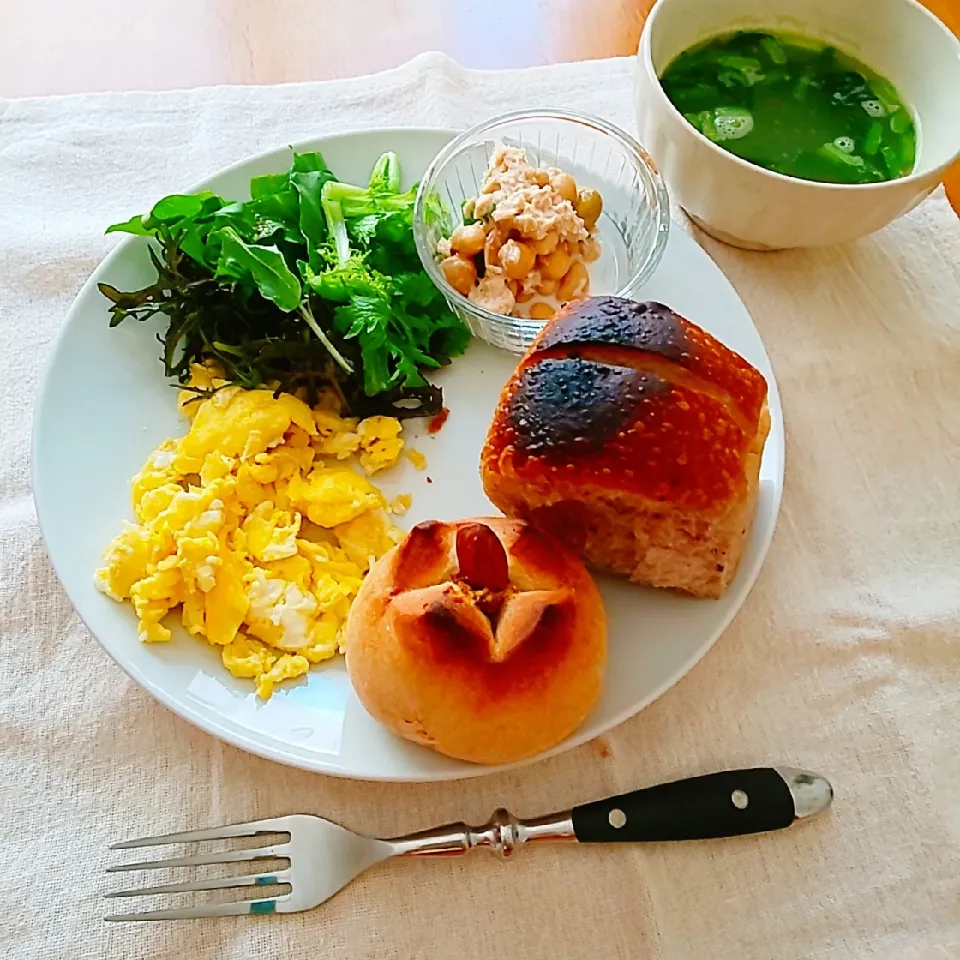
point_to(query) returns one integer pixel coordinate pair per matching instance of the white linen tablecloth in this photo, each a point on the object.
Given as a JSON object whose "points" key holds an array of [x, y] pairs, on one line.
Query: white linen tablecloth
{"points": [[844, 658]]}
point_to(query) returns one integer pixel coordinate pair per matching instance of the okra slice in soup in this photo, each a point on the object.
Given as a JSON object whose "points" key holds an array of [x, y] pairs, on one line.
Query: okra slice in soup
{"points": [[733, 123]]}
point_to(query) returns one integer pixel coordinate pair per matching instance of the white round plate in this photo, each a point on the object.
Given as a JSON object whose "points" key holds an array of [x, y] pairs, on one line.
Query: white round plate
{"points": [[105, 405]]}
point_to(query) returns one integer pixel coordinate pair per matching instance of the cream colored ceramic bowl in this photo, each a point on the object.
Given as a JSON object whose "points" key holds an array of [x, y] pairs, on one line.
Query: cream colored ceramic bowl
{"points": [[748, 206]]}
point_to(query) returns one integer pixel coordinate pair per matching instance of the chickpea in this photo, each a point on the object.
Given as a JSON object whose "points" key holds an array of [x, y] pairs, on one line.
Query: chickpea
{"points": [[517, 259], [546, 288], [575, 284], [491, 248], [468, 239], [547, 245], [589, 206], [566, 186], [554, 266], [590, 249], [521, 295], [459, 273], [541, 311]]}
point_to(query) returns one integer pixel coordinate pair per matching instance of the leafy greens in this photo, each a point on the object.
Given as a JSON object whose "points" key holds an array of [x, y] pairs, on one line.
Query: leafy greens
{"points": [[311, 282]]}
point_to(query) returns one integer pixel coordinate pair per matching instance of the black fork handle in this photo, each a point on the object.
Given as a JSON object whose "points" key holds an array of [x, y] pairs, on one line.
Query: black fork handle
{"points": [[727, 804]]}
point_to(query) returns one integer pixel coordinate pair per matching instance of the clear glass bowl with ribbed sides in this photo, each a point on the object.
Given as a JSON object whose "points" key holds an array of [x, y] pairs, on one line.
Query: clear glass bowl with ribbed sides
{"points": [[632, 228]]}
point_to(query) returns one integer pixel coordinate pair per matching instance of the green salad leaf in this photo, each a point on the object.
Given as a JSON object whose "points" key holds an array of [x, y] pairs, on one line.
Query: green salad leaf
{"points": [[134, 225], [264, 267], [386, 174]]}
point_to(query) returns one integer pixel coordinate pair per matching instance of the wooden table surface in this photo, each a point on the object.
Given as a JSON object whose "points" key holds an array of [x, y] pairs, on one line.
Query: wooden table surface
{"points": [[84, 46], [58, 46]]}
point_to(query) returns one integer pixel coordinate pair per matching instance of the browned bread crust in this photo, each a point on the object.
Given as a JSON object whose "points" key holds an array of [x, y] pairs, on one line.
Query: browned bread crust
{"points": [[483, 639], [636, 437]]}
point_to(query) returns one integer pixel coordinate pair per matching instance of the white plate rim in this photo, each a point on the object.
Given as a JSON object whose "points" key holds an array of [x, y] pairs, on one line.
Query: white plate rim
{"points": [[277, 754]]}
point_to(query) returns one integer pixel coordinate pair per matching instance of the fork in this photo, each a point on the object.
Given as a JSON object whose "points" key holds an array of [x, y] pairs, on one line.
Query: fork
{"points": [[324, 857]]}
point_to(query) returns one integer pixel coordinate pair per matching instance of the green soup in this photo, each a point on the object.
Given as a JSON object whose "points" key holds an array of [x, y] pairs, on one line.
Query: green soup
{"points": [[794, 106]]}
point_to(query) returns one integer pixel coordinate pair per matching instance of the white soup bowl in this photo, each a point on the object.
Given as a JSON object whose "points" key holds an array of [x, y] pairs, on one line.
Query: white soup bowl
{"points": [[748, 206]]}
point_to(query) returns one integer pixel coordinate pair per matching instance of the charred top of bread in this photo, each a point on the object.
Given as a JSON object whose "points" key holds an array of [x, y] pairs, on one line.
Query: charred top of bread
{"points": [[648, 326], [633, 397], [566, 404], [651, 337]]}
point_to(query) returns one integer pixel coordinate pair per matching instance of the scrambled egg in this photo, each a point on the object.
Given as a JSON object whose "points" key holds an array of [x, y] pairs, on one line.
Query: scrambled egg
{"points": [[417, 459], [256, 528]]}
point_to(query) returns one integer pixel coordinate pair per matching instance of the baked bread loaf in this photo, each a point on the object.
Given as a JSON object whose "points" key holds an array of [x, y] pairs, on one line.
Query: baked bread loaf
{"points": [[483, 639], [634, 437]]}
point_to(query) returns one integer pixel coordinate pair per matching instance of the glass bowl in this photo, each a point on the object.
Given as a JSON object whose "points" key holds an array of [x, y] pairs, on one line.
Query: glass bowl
{"points": [[632, 229]]}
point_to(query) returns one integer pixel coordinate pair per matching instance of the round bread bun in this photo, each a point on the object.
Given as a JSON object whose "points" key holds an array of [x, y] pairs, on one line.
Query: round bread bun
{"points": [[484, 639]]}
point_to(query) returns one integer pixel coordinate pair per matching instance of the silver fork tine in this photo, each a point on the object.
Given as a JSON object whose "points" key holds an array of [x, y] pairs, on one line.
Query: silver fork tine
{"points": [[202, 859], [216, 833], [330, 856], [232, 909], [208, 883]]}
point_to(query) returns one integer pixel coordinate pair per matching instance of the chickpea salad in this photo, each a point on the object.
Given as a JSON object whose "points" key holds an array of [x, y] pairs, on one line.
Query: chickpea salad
{"points": [[525, 243]]}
